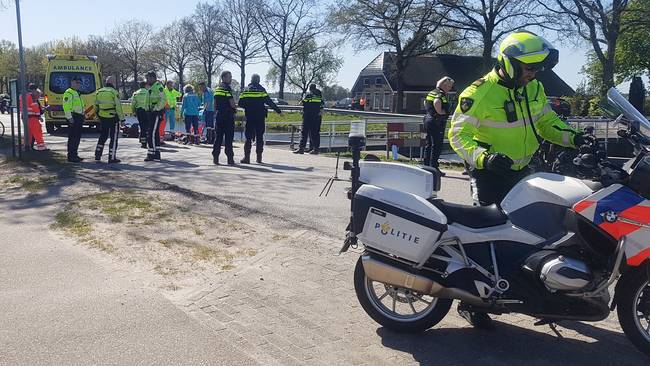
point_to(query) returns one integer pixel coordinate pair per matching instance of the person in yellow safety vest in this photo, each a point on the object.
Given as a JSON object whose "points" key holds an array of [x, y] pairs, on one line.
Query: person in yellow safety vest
{"points": [[109, 110], [437, 105], [155, 110], [139, 107], [34, 113], [499, 123], [172, 96], [502, 117], [73, 108]]}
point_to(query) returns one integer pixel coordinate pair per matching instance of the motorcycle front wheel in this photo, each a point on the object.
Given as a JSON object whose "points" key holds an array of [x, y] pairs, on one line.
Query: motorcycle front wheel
{"points": [[634, 307], [396, 308]]}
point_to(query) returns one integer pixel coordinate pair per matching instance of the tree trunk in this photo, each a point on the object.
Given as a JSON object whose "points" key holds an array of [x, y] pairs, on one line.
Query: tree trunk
{"points": [[283, 76], [608, 75], [181, 79], [487, 54], [399, 66], [242, 75]]}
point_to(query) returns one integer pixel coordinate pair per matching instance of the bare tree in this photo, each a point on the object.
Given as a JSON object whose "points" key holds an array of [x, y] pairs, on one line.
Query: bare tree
{"points": [[597, 22], [310, 64], [286, 25], [174, 48], [108, 56], [489, 20], [243, 43], [133, 39], [409, 28], [207, 43]]}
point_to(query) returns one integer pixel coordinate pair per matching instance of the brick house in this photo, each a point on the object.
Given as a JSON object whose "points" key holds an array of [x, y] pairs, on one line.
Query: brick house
{"points": [[377, 82]]}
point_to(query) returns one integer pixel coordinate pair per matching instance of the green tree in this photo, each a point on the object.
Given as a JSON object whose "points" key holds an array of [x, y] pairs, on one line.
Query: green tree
{"points": [[8, 64], [633, 51], [408, 28], [310, 64]]}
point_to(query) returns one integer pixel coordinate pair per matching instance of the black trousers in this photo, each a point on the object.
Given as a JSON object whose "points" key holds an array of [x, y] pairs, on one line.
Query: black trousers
{"points": [[110, 127], [153, 133], [310, 130], [74, 135], [489, 187], [225, 135], [254, 130], [435, 135], [143, 122]]}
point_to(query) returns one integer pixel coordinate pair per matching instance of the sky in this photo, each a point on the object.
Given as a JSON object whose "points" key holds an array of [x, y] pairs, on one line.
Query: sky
{"points": [[42, 21]]}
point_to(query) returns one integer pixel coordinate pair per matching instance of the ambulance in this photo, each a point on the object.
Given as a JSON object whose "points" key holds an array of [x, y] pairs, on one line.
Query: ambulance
{"points": [[61, 69]]}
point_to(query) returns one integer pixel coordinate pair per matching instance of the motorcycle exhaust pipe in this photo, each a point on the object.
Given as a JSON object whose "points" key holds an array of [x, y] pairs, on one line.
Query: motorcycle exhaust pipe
{"points": [[385, 273]]}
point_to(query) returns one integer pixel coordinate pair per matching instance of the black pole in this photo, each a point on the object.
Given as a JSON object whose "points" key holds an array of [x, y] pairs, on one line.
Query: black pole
{"points": [[22, 80], [13, 133], [20, 140]]}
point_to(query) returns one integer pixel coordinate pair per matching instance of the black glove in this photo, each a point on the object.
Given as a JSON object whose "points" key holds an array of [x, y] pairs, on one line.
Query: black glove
{"points": [[579, 140], [497, 163]]}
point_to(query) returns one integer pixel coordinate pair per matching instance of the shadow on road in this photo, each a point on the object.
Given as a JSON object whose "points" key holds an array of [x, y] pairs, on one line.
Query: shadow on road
{"points": [[511, 345]]}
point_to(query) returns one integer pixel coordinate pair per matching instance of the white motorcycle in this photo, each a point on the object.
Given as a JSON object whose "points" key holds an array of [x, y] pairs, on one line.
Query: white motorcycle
{"points": [[552, 249]]}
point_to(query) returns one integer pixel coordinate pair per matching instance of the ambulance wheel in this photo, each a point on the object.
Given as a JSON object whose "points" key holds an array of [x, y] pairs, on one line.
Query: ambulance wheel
{"points": [[396, 308]]}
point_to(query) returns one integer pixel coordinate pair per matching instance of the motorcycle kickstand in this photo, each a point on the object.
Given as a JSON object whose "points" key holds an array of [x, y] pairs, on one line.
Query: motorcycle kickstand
{"points": [[551, 325]]}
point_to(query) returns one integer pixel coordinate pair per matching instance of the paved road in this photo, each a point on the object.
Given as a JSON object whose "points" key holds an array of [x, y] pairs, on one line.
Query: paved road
{"points": [[291, 304], [285, 187], [62, 307]]}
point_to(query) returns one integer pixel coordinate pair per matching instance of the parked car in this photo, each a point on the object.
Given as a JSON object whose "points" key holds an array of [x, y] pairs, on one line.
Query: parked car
{"points": [[345, 103], [279, 101], [560, 106]]}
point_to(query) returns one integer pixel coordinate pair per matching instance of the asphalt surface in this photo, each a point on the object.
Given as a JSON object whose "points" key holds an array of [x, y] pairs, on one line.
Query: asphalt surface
{"points": [[59, 306], [284, 189]]}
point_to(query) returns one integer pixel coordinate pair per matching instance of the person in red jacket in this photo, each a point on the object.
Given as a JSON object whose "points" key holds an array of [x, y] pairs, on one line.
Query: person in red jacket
{"points": [[34, 113]]}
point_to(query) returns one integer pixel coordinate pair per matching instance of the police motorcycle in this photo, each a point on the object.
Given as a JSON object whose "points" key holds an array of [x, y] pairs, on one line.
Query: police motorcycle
{"points": [[556, 248]]}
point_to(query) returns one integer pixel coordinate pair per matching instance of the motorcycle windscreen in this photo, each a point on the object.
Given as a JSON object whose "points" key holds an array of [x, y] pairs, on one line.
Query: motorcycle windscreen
{"points": [[622, 106]]}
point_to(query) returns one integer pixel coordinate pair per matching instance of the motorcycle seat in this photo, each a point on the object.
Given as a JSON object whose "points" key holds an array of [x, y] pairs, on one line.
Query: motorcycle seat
{"points": [[476, 217]]}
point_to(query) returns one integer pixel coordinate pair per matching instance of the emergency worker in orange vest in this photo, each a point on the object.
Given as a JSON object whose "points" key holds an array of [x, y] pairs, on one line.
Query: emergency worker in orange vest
{"points": [[34, 113]]}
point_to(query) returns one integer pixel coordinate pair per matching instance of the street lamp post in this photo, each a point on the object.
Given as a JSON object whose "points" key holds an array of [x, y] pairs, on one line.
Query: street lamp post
{"points": [[21, 79]]}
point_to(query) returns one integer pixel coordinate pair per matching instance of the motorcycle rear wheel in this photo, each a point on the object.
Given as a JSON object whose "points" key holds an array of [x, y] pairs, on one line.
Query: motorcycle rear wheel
{"points": [[416, 313], [634, 307]]}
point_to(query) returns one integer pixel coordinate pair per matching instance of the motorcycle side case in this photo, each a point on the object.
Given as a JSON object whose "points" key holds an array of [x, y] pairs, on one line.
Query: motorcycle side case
{"points": [[400, 177], [398, 223]]}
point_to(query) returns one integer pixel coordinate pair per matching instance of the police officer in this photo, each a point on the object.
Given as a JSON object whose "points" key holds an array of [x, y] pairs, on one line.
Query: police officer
{"points": [[254, 100], [155, 110], [73, 107], [500, 121], [139, 106], [312, 116], [436, 105], [502, 117], [109, 110], [171, 96], [225, 107]]}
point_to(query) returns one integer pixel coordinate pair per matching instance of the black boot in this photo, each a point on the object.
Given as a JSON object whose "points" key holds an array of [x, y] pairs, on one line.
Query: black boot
{"points": [[299, 151], [149, 157], [476, 319], [215, 159], [114, 161], [99, 150], [231, 160], [247, 154], [156, 155], [259, 158]]}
